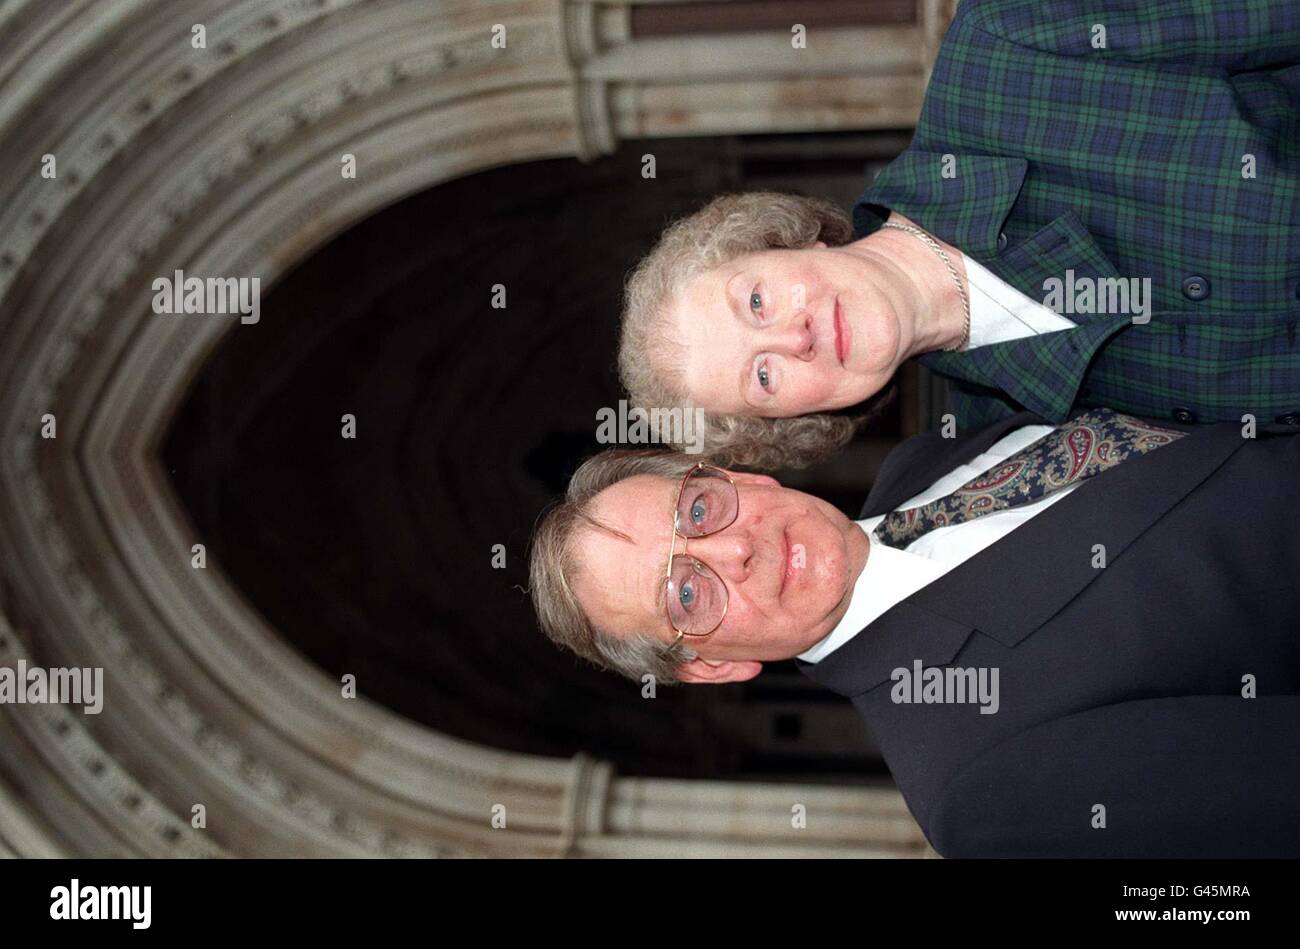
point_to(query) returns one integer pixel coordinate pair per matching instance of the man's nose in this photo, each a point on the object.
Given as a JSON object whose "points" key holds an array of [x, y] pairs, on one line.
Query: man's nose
{"points": [[727, 553], [793, 337]]}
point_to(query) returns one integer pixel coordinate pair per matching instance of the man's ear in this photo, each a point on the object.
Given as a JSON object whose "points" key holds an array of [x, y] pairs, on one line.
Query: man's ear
{"points": [[747, 477], [716, 673]]}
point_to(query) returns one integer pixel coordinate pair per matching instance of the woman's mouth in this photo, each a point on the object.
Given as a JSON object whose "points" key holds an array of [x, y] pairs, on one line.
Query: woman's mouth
{"points": [[842, 338]]}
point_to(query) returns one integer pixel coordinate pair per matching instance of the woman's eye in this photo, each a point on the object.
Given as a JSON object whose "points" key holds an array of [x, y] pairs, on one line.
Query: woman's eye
{"points": [[755, 301], [763, 376]]}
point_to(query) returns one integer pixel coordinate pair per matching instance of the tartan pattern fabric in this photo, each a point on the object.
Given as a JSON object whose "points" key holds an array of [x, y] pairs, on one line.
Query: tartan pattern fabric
{"points": [[1089, 444], [1124, 162]]}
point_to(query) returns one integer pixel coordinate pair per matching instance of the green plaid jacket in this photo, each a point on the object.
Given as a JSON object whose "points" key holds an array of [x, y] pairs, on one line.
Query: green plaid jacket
{"points": [[1122, 161]]}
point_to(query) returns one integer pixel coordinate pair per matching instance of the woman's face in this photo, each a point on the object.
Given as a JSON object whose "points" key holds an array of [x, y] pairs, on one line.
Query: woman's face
{"points": [[788, 332]]}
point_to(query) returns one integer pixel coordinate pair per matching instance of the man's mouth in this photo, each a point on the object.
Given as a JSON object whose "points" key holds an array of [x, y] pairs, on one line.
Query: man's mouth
{"points": [[788, 572], [842, 338]]}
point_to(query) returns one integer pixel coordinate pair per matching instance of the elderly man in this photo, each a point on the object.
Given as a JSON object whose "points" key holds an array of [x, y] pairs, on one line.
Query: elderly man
{"points": [[1070, 640]]}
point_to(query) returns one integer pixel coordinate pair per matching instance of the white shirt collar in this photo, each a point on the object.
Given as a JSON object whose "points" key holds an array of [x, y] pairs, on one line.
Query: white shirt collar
{"points": [[888, 577], [1000, 313]]}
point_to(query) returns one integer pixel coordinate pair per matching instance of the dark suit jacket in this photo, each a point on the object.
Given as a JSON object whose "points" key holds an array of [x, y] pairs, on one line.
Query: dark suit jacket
{"points": [[1119, 686]]}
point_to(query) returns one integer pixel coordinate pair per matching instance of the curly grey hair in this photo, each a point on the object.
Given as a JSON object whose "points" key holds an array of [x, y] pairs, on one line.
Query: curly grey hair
{"points": [[553, 565], [730, 226]]}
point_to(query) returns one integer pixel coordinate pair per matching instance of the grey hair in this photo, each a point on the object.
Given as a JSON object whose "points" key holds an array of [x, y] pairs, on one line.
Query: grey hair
{"points": [[553, 564], [730, 226]]}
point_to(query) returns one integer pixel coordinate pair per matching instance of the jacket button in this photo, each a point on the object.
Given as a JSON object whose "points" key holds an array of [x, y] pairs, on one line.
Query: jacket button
{"points": [[1289, 418], [1002, 240], [1196, 287], [1186, 416]]}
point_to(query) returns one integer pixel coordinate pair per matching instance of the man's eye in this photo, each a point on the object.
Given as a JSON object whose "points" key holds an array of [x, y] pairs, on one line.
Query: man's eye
{"points": [[764, 378], [698, 512], [687, 595]]}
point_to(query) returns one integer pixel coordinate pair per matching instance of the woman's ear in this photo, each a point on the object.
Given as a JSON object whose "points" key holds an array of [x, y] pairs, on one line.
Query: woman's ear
{"points": [[747, 477], [821, 244]]}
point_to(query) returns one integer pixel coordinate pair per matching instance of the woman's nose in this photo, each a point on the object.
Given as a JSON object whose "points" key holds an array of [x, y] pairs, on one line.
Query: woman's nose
{"points": [[794, 337]]}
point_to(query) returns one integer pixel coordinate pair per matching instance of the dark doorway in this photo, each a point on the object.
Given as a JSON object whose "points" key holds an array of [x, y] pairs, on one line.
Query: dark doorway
{"points": [[373, 555]]}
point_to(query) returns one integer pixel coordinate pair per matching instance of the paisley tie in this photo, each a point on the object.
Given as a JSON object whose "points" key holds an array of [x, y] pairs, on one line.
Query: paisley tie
{"points": [[1084, 446]]}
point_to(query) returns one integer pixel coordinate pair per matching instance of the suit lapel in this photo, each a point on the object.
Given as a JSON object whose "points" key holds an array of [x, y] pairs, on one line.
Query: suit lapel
{"points": [[1062, 245], [1014, 586], [1050, 559], [967, 200], [1043, 372], [902, 635], [963, 199]]}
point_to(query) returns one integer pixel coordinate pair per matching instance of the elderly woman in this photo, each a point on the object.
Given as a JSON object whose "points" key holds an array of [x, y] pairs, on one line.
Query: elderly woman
{"points": [[1109, 192], [762, 311]]}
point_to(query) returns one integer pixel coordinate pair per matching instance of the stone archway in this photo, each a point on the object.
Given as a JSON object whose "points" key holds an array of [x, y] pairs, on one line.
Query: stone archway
{"points": [[225, 160]]}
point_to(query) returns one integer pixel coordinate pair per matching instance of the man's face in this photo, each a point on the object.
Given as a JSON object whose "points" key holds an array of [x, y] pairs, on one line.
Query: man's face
{"points": [[789, 562], [788, 332]]}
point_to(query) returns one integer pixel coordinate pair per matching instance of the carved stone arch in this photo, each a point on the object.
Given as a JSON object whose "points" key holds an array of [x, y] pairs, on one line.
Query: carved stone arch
{"points": [[226, 160]]}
